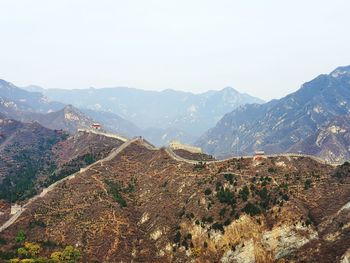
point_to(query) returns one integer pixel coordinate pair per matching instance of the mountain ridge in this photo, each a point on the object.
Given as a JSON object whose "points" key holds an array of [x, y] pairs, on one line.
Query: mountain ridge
{"points": [[279, 124]]}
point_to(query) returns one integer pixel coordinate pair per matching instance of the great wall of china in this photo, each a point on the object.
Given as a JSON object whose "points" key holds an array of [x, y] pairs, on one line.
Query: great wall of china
{"points": [[110, 135], [149, 146], [21, 209]]}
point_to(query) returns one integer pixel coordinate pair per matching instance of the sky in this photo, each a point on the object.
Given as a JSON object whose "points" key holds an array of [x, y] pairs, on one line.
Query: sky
{"points": [[264, 48]]}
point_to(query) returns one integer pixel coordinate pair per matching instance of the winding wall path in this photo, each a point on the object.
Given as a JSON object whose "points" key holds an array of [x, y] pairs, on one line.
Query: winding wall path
{"points": [[111, 155], [173, 155], [149, 146]]}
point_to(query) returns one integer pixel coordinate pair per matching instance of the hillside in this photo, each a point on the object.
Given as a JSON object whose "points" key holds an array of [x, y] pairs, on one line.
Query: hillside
{"points": [[32, 156], [141, 205], [307, 121], [25, 154]]}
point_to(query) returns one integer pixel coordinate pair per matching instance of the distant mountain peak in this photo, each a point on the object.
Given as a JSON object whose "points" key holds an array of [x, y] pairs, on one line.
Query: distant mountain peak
{"points": [[70, 108], [73, 114], [340, 71], [5, 84], [229, 89]]}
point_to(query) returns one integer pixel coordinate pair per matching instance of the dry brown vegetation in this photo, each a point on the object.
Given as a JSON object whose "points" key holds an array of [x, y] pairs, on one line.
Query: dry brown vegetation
{"points": [[143, 206]]}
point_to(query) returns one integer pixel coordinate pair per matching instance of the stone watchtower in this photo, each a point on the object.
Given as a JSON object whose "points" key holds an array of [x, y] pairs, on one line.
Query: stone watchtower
{"points": [[15, 208], [177, 145]]}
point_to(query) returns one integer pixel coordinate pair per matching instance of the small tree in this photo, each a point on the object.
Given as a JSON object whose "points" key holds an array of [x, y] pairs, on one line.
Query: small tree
{"points": [[207, 191], [21, 236], [30, 250], [68, 255], [307, 184]]}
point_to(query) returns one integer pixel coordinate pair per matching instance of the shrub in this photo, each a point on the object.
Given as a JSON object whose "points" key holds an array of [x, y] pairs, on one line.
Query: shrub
{"points": [[199, 166], [251, 209], [2, 241], [177, 237], [227, 222], [184, 244], [218, 226], [285, 197], [89, 158], [21, 236], [263, 193], [222, 212], [244, 193], [226, 196], [218, 186], [207, 191], [229, 178], [114, 190], [272, 170], [69, 254], [207, 219], [307, 184]]}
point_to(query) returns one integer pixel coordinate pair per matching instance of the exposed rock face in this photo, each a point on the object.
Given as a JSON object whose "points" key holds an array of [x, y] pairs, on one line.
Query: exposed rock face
{"points": [[284, 240], [313, 120], [346, 257], [330, 142], [143, 206]]}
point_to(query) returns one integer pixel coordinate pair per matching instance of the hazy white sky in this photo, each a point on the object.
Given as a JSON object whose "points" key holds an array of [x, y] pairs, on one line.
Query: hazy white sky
{"points": [[266, 48]]}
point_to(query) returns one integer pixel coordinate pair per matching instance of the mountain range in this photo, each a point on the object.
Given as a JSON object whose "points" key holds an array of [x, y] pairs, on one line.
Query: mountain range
{"points": [[158, 116], [313, 120], [29, 106], [169, 109]]}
